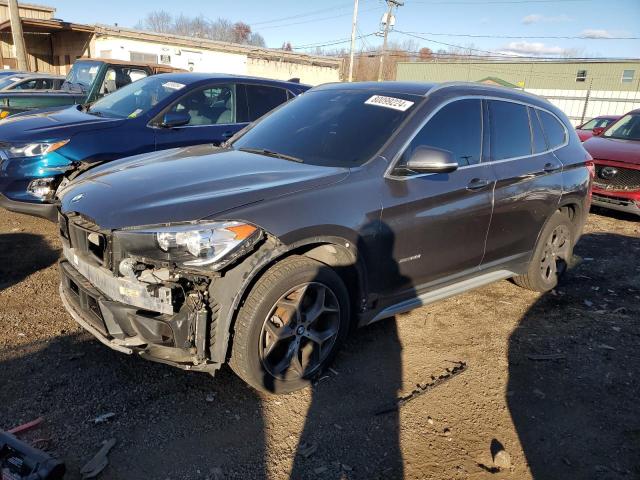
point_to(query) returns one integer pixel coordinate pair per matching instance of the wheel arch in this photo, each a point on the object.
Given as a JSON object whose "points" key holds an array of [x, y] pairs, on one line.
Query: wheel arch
{"points": [[227, 296]]}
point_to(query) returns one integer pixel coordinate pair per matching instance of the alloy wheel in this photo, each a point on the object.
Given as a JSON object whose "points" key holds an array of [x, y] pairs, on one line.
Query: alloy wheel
{"points": [[556, 252], [300, 331]]}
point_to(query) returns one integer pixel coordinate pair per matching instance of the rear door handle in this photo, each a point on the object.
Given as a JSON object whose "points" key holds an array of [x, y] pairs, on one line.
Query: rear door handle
{"points": [[478, 184], [551, 167]]}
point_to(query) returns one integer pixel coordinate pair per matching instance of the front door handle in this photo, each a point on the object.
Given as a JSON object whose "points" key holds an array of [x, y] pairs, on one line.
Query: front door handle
{"points": [[478, 184], [227, 134], [551, 167]]}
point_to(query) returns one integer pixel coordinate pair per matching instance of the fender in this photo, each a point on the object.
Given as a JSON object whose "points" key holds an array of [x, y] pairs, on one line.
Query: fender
{"points": [[227, 292]]}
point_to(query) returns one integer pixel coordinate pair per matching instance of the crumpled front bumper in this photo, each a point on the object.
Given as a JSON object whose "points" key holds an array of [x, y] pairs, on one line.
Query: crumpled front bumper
{"points": [[44, 210], [164, 338]]}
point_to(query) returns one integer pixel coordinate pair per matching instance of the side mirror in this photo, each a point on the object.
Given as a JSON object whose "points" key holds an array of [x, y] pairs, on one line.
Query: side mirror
{"points": [[175, 119], [431, 160], [597, 131]]}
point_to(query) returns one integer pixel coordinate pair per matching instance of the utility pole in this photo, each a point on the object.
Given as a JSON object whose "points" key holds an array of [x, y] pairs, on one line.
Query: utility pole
{"points": [[354, 25], [390, 5], [18, 37]]}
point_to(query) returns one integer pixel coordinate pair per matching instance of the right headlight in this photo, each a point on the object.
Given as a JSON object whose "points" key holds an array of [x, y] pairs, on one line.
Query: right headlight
{"points": [[208, 246]]}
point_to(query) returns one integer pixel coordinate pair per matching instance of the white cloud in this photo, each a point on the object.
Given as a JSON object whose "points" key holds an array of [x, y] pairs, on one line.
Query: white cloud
{"points": [[532, 48], [537, 18], [596, 33]]}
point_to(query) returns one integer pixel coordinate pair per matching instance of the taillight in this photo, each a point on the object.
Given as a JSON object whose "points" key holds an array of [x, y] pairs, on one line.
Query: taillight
{"points": [[591, 167]]}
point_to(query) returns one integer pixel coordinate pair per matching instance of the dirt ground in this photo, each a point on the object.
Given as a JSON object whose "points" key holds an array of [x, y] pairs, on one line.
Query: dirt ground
{"points": [[551, 379]]}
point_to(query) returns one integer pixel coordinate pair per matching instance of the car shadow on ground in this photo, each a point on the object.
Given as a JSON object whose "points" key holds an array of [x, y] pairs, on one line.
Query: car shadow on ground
{"points": [[23, 254], [573, 366]]}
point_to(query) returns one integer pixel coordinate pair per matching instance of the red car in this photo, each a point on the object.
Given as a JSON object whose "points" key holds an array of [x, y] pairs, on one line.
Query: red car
{"points": [[595, 126], [616, 154]]}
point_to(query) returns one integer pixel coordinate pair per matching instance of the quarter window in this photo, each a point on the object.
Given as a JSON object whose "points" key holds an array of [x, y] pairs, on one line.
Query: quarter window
{"points": [[457, 127], [627, 76], [537, 135], [510, 132], [581, 75], [555, 132]]}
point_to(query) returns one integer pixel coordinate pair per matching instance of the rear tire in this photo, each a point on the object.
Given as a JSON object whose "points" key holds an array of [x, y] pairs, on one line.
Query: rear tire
{"points": [[552, 254], [290, 326]]}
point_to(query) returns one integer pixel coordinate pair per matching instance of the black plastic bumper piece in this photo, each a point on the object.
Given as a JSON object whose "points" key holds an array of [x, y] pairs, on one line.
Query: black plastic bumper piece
{"points": [[44, 210], [127, 329]]}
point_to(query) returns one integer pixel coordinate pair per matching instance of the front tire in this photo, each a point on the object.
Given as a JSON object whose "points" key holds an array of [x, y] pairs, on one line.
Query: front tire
{"points": [[288, 330], [551, 257]]}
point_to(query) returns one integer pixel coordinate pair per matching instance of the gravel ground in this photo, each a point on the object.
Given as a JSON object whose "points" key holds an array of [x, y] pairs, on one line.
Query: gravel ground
{"points": [[572, 415]]}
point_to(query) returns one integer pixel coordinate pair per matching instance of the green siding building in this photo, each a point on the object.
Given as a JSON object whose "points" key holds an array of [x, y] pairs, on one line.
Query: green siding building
{"points": [[582, 89]]}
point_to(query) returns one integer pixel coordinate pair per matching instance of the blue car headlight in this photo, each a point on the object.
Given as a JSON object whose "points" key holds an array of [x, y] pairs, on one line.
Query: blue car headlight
{"points": [[34, 149], [202, 246]]}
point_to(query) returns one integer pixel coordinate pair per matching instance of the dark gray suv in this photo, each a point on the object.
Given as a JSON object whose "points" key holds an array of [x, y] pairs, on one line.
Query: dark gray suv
{"points": [[347, 205]]}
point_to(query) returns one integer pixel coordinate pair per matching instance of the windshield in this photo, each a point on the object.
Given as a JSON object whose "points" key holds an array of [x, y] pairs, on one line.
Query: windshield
{"points": [[335, 128], [136, 98], [627, 128], [6, 82], [596, 122], [82, 75]]}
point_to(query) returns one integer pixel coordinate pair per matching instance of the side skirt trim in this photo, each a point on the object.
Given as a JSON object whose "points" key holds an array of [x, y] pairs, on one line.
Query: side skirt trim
{"points": [[442, 293]]}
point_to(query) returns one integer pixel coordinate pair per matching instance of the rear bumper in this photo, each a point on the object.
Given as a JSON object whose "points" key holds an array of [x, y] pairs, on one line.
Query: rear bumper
{"points": [[620, 204], [127, 329], [44, 210]]}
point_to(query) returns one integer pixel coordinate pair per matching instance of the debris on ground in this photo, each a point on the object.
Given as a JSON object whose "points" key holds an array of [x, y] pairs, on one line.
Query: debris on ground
{"points": [[105, 417], [307, 449], [423, 388], [99, 462], [502, 460], [546, 356]]}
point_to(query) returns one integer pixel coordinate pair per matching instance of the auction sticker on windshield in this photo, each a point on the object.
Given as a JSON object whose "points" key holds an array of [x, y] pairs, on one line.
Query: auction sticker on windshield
{"points": [[389, 102], [173, 85]]}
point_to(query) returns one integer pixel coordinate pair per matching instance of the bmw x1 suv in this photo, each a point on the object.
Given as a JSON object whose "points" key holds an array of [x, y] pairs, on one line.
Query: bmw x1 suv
{"points": [[350, 204]]}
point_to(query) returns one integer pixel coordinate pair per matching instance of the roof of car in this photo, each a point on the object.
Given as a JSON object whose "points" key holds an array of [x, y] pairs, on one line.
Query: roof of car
{"points": [[410, 88], [36, 75], [191, 77]]}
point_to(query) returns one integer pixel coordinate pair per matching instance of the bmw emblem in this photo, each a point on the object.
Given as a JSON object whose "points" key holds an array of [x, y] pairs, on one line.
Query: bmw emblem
{"points": [[77, 198], [608, 173]]}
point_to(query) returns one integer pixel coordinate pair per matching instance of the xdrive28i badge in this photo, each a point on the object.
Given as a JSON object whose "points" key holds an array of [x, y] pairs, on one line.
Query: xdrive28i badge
{"points": [[77, 198]]}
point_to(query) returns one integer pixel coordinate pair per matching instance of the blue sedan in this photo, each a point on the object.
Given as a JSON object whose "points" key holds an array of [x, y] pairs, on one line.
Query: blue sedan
{"points": [[159, 112]]}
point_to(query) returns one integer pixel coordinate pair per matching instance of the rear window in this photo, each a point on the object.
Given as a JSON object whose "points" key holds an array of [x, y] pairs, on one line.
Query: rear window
{"points": [[554, 130], [537, 135], [330, 127], [510, 133]]}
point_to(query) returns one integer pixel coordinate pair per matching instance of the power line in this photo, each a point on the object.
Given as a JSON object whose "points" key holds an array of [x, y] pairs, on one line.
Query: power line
{"points": [[331, 42], [455, 46], [495, 2], [300, 15], [581, 37], [318, 19]]}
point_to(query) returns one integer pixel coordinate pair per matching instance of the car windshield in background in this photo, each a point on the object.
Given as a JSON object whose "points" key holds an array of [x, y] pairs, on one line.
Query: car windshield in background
{"points": [[596, 123], [136, 98], [337, 128], [627, 128], [82, 75], [6, 82]]}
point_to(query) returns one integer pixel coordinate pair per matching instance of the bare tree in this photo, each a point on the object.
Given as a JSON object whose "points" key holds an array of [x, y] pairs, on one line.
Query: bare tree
{"points": [[200, 27]]}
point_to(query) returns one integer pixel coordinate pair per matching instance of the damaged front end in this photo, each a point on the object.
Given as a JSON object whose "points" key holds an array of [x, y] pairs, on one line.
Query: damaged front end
{"points": [[147, 290]]}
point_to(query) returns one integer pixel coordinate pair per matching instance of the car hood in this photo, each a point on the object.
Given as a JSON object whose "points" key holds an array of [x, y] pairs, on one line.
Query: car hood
{"points": [[603, 148], [186, 184], [52, 125]]}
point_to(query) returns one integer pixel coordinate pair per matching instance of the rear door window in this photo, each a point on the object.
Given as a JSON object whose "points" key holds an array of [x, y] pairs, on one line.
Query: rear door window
{"points": [[262, 99], [555, 132], [510, 132], [457, 128]]}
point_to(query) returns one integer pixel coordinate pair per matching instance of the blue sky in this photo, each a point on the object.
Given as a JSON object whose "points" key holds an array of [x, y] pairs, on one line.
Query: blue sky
{"points": [[312, 22]]}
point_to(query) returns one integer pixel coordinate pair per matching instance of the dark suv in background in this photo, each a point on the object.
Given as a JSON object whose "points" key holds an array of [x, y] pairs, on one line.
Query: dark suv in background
{"points": [[347, 205]]}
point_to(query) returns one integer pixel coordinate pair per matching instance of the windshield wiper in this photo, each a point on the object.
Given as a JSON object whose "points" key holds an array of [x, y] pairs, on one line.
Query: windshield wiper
{"points": [[270, 153]]}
